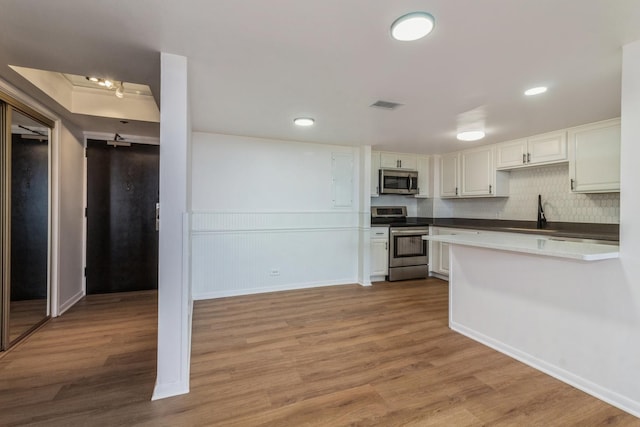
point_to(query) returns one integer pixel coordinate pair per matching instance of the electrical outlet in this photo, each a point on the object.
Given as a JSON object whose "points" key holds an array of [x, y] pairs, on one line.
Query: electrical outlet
{"points": [[274, 272]]}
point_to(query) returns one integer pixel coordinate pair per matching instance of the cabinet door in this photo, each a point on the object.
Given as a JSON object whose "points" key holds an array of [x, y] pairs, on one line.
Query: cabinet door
{"points": [[379, 257], [407, 161], [375, 173], [449, 175], [389, 161], [594, 157], [477, 178], [511, 154], [547, 148], [423, 176]]}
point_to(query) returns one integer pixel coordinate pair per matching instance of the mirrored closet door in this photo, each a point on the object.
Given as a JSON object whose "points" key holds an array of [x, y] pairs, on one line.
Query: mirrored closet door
{"points": [[25, 223]]}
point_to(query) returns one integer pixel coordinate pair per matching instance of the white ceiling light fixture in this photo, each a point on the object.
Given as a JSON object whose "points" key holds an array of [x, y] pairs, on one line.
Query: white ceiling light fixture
{"points": [[535, 90], [470, 135], [304, 121], [412, 26]]}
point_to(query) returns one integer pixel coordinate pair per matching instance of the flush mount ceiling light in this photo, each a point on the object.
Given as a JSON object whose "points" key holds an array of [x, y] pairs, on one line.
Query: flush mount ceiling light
{"points": [[412, 26], [535, 90], [471, 135], [304, 121]]}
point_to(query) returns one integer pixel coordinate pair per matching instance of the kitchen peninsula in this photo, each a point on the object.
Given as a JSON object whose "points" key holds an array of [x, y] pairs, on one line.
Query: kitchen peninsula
{"points": [[541, 300]]}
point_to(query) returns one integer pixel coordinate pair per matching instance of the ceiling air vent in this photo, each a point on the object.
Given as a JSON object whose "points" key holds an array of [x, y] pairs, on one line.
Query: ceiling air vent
{"points": [[387, 105]]}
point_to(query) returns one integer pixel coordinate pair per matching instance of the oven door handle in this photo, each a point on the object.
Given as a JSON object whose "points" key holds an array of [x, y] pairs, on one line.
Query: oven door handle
{"points": [[409, 232]]}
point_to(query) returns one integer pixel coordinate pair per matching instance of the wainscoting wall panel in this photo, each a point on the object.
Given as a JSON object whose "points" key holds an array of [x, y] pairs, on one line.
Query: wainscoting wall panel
{"points": [[245, 253]]}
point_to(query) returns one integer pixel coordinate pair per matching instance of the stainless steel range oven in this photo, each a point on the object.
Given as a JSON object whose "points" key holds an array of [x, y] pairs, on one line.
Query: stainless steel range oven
{"points": [[408, 253]]}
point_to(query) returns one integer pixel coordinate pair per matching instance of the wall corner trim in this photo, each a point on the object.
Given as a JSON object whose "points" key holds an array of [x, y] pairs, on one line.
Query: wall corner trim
{"points": [[163, 391]]}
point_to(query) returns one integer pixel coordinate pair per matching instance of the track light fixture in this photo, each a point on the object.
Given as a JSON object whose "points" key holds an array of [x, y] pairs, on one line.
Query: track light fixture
{"points": [[106, 83]]}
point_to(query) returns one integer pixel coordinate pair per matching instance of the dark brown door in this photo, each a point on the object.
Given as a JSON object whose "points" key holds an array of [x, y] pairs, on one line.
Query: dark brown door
{"points": [[122, 241]]}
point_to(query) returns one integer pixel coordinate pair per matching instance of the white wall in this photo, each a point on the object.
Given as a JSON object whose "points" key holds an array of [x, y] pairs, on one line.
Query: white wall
{"points": [[174, 299], [264, 217], [71, 219], [579, 321]]}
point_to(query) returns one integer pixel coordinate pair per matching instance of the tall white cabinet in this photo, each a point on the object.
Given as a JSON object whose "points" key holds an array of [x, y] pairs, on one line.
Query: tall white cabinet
{"points": [[449, 164], [594, 157]]}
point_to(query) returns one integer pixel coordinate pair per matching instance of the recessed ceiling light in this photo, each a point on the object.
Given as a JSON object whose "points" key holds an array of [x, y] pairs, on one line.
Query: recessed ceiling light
{"points": [[304, 121], [412, 26], [535, 90], [93, 79], [471, 135]]}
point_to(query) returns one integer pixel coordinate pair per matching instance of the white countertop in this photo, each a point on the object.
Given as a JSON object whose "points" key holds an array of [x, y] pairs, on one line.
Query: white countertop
{"points": [[532, 244]]}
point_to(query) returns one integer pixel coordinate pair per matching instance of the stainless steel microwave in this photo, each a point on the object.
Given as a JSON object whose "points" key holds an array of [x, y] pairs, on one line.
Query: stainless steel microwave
{"points": [[396, 181]]}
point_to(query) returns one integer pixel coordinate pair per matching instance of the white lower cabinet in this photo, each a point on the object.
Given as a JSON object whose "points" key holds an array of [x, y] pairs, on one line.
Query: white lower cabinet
{"points": [[439, 251], [379, 252]]}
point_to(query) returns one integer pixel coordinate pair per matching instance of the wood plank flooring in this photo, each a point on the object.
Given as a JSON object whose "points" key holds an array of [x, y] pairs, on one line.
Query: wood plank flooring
{"points": [[333, 356]]}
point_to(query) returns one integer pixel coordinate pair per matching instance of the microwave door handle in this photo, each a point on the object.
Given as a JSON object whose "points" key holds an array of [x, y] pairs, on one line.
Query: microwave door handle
{"points": [[409, 184]]}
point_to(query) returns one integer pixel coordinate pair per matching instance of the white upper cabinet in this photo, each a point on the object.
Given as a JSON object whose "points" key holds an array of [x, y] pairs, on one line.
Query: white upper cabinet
{"points": [[547, 148], [449, 175], [375, 173], [594, 157], [398, 161], [472, 173], [536, 150], [423, 168], [511, 154], [477, 171]]}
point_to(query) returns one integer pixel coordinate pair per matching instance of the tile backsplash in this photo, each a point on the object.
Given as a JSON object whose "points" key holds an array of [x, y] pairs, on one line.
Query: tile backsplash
{"points": [[552, 182]]}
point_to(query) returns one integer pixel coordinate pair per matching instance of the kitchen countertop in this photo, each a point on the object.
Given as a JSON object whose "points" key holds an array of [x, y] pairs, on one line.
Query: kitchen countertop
{"points": [[609, 232], [532, 244]]}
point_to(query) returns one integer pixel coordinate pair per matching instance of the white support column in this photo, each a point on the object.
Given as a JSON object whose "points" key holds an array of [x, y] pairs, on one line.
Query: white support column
{"points": [[174, 316]]}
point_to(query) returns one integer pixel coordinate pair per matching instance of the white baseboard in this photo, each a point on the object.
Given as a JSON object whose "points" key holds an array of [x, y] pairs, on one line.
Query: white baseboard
{"points": [[439, 276], [70, 302], [602, 393], [162, 391], [251, 291]]}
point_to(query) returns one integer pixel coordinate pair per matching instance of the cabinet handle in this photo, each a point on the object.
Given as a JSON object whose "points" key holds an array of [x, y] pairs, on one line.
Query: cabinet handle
{"points": [[524, 158], [398, 163], [528, 157], [386, 246], [571, 184], [456, 191], [490, 188]]}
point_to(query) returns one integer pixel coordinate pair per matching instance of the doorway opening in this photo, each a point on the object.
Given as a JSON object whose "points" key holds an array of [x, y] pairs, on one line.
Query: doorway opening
{"points": [[122, 236]]}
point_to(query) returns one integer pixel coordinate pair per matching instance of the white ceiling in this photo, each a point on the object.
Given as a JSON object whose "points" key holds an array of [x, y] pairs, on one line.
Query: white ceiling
{"points": [[254, 65]]}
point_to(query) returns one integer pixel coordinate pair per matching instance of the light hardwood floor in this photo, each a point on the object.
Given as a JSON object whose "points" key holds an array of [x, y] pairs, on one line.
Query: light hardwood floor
{"points": [[342, 355]]}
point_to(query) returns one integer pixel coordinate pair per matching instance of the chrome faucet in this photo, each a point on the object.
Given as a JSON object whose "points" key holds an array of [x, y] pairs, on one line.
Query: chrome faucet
{"points": [[542, 221]]}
